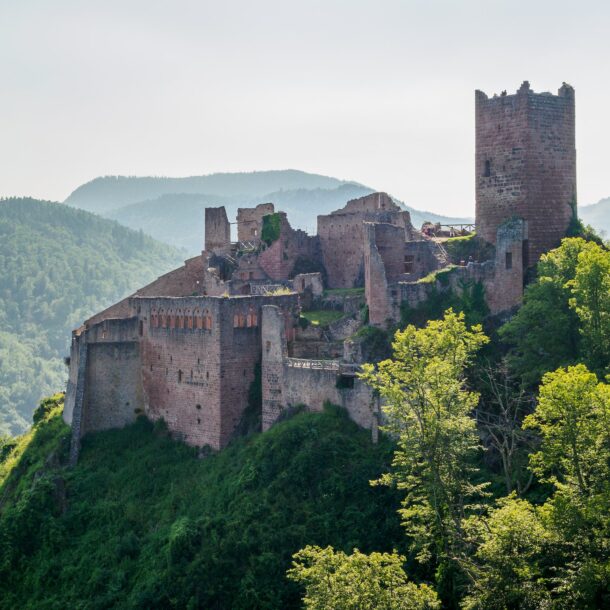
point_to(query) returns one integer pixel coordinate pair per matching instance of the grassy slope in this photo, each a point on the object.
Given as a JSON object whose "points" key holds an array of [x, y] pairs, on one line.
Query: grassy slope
{"points": [[142, 523]]}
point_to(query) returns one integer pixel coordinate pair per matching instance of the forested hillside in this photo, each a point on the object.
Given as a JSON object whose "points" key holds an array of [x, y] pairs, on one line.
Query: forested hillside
{"points": [[493, 488], [142, 523], [58, 266]]}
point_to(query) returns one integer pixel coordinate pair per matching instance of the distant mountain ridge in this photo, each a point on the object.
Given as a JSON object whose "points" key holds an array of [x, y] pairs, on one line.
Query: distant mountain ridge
{"points": [[109, 192], [171, 209], [597, 215]]}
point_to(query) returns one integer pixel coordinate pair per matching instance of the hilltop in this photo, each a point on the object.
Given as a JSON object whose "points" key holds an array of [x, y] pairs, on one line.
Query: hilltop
{"points": [[59, 265], [142, 523]]}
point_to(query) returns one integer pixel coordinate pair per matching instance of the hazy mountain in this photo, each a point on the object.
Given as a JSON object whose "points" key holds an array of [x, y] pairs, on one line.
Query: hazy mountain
{"points": [[110, 192], [177, 218], [58, 266], [597, 215]]}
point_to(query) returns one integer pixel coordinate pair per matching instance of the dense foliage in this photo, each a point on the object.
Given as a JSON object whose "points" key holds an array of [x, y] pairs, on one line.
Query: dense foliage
{"points": [[358, 581], [141, 522], [58, 266], [538, 543], [565, 316]]}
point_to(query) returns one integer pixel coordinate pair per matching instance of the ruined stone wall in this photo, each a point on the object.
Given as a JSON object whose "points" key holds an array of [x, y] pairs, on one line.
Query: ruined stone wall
{"points": [[250, 221], [278, 260], [113, 389], [288, 382], [311, 282], [376, 288], [314, 387], [341, 236], [424, 257], [199, 357], [193, 278], [390, 241], [181, 366], [526, 165], [217, 230]]}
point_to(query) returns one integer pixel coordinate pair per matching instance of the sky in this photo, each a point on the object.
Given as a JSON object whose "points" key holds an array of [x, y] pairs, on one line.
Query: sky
{"points": [[376, 91]]}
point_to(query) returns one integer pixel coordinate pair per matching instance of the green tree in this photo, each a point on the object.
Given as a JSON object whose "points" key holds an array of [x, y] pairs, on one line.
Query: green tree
{"points": [[572, 418], [333, 579], [511, 542], [569, 301], [429, 410], [591, 301]]}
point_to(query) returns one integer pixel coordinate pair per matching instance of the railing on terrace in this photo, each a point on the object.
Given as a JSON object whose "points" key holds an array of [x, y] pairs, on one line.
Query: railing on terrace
{"points": [[322, 365], [335, 366]]}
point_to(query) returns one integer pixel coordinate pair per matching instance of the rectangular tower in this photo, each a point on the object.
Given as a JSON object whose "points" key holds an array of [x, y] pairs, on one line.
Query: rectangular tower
{"points": [[526, 165]]}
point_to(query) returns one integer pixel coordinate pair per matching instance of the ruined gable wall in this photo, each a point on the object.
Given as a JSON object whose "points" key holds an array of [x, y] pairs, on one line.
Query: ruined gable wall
{"points": [[528, 140], [341, 236], [250, 221], [192, 278], [375, 280]]}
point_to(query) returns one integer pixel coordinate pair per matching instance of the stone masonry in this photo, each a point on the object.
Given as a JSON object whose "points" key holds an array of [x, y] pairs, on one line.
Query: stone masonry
{"points": [[186, 347], [526, 165]]}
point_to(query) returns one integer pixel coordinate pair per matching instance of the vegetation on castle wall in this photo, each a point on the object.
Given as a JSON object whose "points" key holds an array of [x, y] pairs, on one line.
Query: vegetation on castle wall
{"points": [[467, 247], [322, 317], [470, 300], [140, 522], [272, 226]]}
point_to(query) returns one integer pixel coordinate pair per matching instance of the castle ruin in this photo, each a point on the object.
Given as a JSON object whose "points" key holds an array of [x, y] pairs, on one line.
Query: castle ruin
{"points": [[190, 347]]}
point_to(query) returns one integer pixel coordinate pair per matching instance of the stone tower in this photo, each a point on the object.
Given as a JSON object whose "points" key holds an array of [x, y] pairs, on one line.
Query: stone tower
{"points": [[526, 165]]}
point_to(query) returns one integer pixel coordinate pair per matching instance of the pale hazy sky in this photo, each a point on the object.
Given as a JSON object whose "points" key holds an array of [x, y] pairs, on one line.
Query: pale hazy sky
{"points": [[377, 91]]}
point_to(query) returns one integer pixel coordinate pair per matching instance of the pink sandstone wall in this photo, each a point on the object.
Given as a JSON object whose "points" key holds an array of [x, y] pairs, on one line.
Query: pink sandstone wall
{"points": [[526, 164]]}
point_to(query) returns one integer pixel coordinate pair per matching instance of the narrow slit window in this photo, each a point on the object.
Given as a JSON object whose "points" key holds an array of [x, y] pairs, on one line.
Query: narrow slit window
{"points": [[509, 260], [487, 172]]}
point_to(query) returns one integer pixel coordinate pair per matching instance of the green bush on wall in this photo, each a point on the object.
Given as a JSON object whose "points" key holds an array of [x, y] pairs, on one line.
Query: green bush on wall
{"points": [[272, 225]]}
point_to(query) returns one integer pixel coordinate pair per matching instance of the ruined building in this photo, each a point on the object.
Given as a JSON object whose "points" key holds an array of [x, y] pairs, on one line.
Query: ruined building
{"points": [[191, 347], [525, 165]]}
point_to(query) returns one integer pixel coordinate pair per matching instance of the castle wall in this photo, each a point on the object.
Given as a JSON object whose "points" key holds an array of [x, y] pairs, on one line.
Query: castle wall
{"points": [[526, 165], [199, 358], [250, 221], [278, 260], [288, 382], [181, 366], [217, 230], [341, 236], [104, 387]]}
